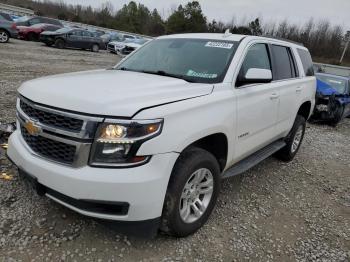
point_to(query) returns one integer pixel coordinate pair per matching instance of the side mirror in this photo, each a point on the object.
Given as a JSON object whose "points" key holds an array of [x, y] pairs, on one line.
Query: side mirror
{"points": [[255, 75]]}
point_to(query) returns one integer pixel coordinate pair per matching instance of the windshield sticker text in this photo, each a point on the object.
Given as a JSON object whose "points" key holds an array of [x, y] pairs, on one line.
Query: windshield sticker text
{"points": [[201, 75], [219, 45]]}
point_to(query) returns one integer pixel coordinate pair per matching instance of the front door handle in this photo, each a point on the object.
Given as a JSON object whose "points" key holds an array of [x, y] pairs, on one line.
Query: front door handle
{"points": [[298, 89], [274, 96]]}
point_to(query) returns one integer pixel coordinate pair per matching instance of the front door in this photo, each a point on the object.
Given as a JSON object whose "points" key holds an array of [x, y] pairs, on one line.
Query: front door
{"points": [[257, 105]]}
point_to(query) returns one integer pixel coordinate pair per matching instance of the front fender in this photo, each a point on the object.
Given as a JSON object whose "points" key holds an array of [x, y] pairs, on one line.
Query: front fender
{"points": [[187, 121]]}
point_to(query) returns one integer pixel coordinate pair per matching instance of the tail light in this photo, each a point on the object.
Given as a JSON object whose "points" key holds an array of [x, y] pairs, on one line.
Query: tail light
{"points": [[13, 26]]}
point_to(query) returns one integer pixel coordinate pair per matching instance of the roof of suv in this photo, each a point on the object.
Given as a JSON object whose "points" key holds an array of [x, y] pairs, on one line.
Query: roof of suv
{"points": [[211, 36], [229, 37]]}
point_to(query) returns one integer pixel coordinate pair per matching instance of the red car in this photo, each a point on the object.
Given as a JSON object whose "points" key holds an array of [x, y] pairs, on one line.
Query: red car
{"points": [[32, 33]]}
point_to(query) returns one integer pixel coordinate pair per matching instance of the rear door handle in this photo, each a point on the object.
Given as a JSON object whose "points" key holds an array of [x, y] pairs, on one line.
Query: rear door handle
{"points": [[298, 89], [274, 96]]}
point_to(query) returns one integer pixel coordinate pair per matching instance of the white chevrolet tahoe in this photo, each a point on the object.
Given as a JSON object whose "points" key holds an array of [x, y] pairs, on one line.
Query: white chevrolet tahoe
{"points": [[148, 141]]}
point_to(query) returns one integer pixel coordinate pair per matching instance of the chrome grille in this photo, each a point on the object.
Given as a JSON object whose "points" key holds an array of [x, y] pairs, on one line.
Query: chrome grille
{"points": [[51, 119], [54, 150], [63, 137]]}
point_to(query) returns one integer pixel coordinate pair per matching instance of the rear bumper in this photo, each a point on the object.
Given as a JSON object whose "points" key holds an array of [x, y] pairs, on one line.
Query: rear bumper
{"points": [[136, 193]]}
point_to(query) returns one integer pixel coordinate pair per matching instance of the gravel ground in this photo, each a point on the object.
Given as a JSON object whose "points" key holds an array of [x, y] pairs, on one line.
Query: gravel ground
{"points": [[299, 211]]}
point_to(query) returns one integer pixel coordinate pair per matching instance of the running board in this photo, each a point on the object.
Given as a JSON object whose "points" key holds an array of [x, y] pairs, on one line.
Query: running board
{"points": [[254, 159]]}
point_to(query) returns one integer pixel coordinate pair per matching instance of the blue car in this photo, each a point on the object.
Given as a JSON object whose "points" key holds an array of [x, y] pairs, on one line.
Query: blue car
{"points": [[332, 98]]}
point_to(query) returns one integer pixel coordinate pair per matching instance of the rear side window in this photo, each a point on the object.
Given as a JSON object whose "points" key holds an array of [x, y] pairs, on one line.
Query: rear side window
{"points": [[307, 62], [87, 34], [257, 57], [284, 65]]}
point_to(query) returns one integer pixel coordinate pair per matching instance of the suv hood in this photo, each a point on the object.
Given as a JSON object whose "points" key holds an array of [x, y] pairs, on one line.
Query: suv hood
{"points": [[110, 92]]}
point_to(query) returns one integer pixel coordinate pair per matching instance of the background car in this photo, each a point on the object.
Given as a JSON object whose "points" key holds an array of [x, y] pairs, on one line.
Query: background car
{"points": [[8, 29], [332, 98], [72, 37], [29, 21], [108, 37], [32, 33], [6, 16], [126, 46]]}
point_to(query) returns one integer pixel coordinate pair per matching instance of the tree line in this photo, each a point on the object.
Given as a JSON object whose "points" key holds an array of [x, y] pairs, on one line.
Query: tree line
{"points": [[324, 40]]}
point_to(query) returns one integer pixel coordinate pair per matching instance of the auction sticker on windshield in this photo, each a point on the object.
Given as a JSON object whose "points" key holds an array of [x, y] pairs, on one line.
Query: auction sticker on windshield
{"points": [[219, 45], [201, 75]]}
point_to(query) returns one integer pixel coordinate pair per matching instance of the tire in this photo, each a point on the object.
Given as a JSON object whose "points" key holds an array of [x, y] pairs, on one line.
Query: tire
{"points": [[59, 43], [338, 116], [296, 134], [4, 36], [95, 48], [32, 37], [48, 44], [192, 164]]}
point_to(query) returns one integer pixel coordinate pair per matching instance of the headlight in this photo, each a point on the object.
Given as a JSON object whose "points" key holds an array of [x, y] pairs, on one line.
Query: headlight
{"points": [[116, 142]]}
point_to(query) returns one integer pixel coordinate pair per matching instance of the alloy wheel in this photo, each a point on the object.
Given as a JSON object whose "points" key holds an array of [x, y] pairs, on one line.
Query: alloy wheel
{"points": [[297, 139], [3, 37], [196, 195]]}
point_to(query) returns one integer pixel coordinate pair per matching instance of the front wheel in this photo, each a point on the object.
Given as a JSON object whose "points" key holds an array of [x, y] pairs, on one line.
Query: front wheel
{"points": [[32, 37], [4, 36], [95, 48], [338, 115], [293, 140], [192, 193]]}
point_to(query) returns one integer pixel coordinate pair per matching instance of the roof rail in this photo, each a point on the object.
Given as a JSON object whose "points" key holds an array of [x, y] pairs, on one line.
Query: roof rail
{"points": [[283, 39]]}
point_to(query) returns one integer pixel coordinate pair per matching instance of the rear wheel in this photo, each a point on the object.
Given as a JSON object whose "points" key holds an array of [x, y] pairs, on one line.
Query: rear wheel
{"points": [[59, 43], [192, 192], [95, 48], [293, 140], [4, 36]]}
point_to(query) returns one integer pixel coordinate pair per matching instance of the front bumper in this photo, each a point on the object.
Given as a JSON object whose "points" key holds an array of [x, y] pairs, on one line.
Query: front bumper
{"points": [[143, 188], [14, 33]]}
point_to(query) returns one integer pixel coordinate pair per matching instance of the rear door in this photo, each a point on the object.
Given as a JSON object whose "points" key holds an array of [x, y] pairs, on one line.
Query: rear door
{"points": [[288, 85], [257, 105], [87, 39], [74, 38]]}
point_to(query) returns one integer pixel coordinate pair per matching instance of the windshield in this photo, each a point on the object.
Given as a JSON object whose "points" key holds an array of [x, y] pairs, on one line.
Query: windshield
{"points": [[23, 19], [337, 83], [63, 30], [194, 60]]}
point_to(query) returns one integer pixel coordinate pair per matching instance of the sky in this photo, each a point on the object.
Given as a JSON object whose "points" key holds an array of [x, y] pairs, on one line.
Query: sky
{"points": [[295, 11]]}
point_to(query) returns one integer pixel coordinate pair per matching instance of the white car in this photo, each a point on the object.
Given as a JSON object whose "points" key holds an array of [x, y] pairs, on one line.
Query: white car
{"points": [[149, 141], [125, 47]]}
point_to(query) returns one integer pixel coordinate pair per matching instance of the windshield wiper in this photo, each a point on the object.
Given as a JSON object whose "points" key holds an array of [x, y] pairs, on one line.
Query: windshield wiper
{"points": [[124, 69], [163, 73]]}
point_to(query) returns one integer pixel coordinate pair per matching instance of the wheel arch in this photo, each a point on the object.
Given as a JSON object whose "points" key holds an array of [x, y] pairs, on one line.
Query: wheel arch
{"points": [[305, 110], [216, 144], [4, 29]]}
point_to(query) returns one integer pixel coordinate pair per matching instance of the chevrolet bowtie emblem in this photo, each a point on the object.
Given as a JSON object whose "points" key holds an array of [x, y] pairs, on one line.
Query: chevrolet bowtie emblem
{"points": [[32, 129]]}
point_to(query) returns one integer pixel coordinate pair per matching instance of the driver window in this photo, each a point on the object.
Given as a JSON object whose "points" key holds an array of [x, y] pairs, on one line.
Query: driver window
{"points": [[257, 57], [34, 21]]}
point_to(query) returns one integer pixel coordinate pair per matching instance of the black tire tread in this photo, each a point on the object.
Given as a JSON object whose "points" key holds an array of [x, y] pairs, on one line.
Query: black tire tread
{"points": [[169, 224], [285, 153]]}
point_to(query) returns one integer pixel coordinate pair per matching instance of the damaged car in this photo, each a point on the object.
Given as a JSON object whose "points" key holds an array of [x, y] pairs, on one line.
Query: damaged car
{"points": [[332, 98], [125, 47]]}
